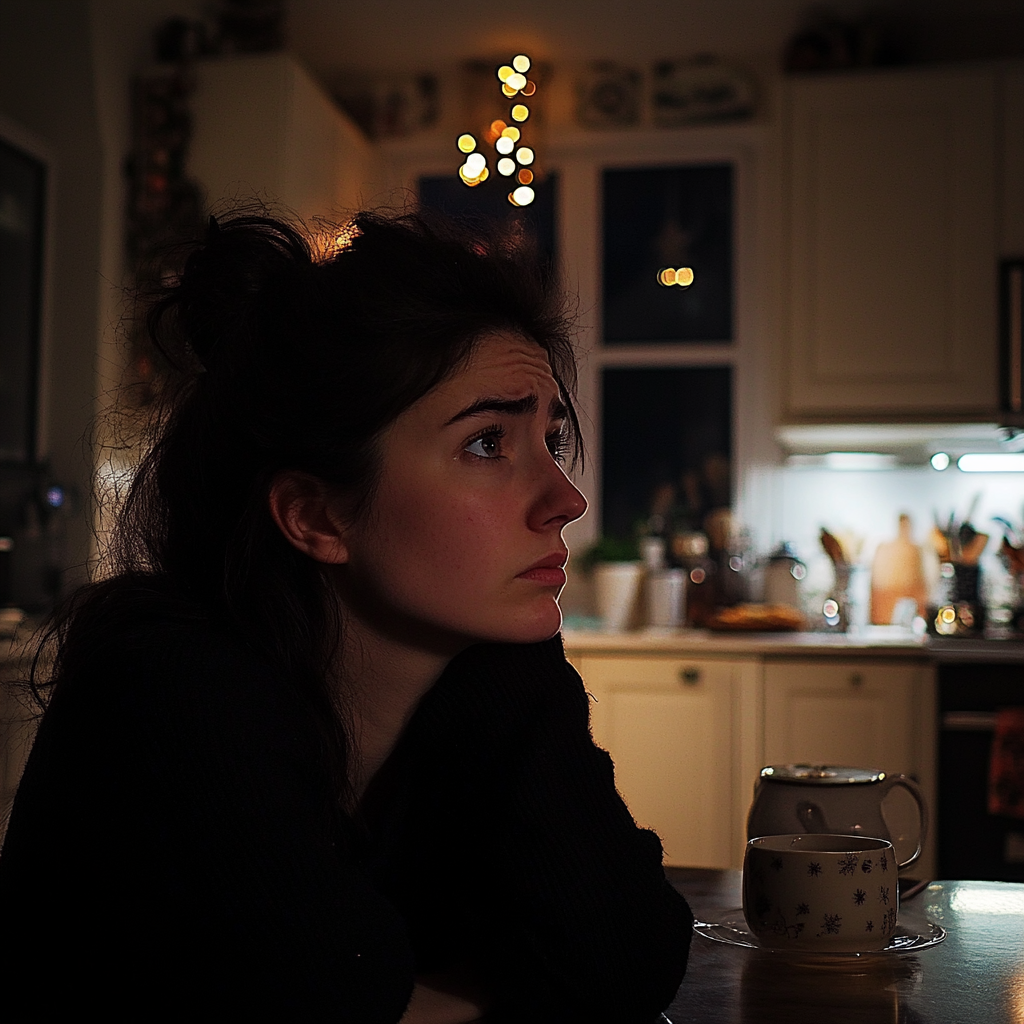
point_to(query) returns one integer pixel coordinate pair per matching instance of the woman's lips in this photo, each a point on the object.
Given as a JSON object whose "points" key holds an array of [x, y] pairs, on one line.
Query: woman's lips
{"points": [[546, 576], [548, 571]]}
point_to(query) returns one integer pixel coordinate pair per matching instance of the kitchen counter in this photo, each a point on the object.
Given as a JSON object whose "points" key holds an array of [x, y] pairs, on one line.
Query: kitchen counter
{"points": [[874, 642]]}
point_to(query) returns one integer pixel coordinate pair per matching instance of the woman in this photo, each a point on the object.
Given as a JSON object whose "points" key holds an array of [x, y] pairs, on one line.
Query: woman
{"points": [[313, 751]]}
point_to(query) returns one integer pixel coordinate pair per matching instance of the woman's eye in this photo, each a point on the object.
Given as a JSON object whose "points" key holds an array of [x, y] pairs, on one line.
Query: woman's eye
{"points": [[486, 447], [558, 444]]}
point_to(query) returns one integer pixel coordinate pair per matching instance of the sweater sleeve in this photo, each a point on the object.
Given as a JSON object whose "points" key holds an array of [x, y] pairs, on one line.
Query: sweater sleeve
{"points": [[170, 850], [539, 876]]}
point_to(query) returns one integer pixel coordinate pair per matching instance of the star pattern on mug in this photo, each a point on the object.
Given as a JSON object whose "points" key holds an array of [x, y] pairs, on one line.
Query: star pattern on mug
{"points": [[814, 868], [859, 897]]}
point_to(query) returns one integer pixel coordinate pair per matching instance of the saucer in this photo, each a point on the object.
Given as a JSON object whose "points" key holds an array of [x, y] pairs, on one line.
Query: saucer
{"points": [[731, 928]]}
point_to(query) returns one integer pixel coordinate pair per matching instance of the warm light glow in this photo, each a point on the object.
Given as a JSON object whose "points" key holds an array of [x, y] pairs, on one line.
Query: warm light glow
{"points": [[520, 112], [529, 89], [516, 82], [499, 127], [511, 132], [504, 72], [992, 462], [523, 196], [683, 276], [467, 143], [525, 155], [939, 461], [470, 181], [506, 165], [475, 163], [508, 90], [521, 63], [504, 145], [525, 176]]}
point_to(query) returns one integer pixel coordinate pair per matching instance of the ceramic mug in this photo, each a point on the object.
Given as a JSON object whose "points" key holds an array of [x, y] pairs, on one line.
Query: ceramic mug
{"points": [[821, 893]]}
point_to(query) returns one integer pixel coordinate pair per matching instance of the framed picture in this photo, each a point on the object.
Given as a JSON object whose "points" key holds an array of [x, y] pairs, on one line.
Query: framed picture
{"points": [[661, 218], [22, 225]]}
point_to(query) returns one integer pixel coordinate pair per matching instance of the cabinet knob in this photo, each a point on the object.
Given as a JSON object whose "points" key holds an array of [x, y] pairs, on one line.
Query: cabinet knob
{"points": [[689, 676], [856, 678]]}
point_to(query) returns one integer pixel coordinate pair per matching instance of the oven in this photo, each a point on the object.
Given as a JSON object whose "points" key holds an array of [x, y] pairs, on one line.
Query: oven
{"points": [[971, 842]]}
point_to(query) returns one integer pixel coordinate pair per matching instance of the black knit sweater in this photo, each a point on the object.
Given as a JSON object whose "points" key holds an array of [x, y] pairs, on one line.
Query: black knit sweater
{"points": [[172, 854]]}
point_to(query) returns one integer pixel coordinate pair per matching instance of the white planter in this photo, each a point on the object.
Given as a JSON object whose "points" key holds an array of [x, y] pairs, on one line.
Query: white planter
{"points": [[616, 589]]}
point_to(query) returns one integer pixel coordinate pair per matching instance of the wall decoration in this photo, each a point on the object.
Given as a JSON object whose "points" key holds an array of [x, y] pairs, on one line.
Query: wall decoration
{"points": [[608, 95], [661, 218], [390, 106], [698, 90]]}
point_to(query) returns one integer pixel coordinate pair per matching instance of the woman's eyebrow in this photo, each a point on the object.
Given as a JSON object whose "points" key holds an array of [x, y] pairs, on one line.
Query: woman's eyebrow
{"points": [[509, 406]]}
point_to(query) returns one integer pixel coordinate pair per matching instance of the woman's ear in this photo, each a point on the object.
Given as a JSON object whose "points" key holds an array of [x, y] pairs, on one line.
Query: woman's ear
{"points": [[307, 513]]}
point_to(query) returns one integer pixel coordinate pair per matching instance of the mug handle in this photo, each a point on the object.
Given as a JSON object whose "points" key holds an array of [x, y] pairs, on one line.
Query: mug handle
{"points": [[909, 784]]}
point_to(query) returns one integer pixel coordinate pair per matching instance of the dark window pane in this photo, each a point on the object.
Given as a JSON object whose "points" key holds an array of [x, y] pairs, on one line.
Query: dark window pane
{"points": [[668, 217], [665, 429], [490, 200], [22, 183]]}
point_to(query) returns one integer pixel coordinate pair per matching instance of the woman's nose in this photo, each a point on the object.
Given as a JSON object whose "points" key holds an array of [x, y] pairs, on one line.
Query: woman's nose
{"points": [[561, 503]]}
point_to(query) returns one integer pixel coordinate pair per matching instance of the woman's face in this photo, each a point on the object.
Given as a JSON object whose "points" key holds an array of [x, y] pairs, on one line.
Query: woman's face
{"points": [[463, 538]]}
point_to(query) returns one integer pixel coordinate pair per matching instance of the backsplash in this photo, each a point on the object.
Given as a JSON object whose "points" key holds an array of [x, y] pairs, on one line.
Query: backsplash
{"points": [[794, 503]]}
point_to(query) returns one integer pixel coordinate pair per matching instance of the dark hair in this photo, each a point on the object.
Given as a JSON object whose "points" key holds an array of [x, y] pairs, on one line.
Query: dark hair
{"points": [[292, 358]]}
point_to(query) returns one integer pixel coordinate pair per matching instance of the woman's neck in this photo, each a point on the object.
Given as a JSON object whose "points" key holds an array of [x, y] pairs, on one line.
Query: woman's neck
{"points": [[383, 680]]}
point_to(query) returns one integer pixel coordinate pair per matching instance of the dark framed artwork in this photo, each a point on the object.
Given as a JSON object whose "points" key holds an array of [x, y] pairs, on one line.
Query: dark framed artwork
{"points": [[489, 201], [668, 217], [22, 213], [1011, 336], [666, 445]]}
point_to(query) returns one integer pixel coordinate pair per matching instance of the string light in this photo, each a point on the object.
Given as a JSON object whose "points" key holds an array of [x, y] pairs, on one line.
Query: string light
{"points": [[668, 276], [504, 137]]}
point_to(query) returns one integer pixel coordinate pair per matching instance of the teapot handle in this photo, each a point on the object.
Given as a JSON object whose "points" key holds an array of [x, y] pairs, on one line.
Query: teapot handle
{"points": [[909, 784]]}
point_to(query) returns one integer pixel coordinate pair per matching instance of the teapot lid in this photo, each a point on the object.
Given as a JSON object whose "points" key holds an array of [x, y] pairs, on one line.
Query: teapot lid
{"points": [[820, 774]]}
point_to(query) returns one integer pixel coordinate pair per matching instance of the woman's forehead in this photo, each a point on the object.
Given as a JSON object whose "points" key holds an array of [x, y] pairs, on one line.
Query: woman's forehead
{"points": [[507, 361]]}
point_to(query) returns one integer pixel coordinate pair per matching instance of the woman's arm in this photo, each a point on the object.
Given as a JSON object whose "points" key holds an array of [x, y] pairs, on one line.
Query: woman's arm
{"points": [[522, 855]]}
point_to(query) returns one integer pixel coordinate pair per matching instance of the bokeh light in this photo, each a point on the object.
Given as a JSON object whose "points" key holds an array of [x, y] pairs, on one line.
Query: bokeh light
{"points": [[467, 143], [516, 81], [525, 176], [504, 145], [511, 132], [520, 112], [521, 63], [524, 155], [506, 166], [504, 72], [523, 196]]}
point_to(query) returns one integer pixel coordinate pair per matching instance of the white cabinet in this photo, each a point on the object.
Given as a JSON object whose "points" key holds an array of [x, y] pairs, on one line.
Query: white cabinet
{"points": [[893, 242], [858, 712], [683, 734], [689, 735], [852, 712], [263, 127]]}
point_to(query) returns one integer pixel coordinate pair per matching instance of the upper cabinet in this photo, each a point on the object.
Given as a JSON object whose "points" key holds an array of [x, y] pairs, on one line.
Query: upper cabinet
{"points": [[902, 192], [263, 127]]}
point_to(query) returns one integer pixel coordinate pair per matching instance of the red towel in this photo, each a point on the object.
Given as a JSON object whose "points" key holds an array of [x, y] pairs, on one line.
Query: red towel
{"points": [[1006, 770]]}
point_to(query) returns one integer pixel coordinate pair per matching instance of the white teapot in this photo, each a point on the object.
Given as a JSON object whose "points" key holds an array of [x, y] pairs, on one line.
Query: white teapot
{"points": [[821, 799]]}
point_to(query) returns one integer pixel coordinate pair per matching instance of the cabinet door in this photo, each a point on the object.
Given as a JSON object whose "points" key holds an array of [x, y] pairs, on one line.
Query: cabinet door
{"points": [[856, 713], [674, 728], [893, 244]]}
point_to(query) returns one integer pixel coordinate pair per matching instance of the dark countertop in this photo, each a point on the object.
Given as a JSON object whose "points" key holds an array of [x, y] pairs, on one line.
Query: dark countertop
{"points": [[975, 975], [874, 642]]}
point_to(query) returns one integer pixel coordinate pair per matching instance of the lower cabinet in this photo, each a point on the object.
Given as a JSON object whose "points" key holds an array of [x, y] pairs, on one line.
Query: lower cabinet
{"points": [[689, 735], [683, 734]]}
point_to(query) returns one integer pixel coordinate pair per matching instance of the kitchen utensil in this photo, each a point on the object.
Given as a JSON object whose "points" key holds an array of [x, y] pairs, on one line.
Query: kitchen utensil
{"points": [[833, 799], [897, 572], [823, 893]]}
